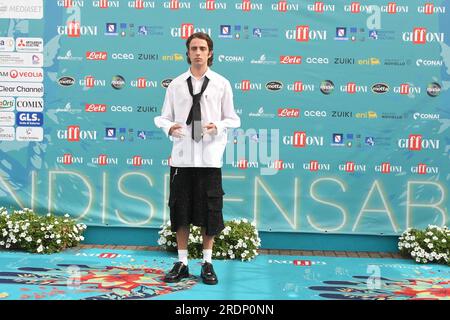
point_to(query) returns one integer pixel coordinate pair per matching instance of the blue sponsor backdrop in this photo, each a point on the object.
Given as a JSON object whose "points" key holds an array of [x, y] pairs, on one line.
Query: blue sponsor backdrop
{"points": [[353, 96]]}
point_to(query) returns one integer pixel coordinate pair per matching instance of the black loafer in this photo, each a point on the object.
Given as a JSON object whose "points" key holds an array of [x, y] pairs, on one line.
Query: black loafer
{"points": [[178, 272], [208, 275]]}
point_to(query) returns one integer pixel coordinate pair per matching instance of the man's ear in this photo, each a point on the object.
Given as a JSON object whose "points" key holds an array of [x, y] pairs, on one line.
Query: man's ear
{"points": [[210, 54]]}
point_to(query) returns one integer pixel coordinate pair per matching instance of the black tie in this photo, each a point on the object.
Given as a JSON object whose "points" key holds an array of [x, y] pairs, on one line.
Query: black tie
{"points": [[195, 115]]}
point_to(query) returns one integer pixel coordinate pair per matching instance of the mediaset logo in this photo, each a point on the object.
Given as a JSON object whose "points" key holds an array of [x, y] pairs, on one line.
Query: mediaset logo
{"points": [[141, 4], [285, 6], [212, 5], [118, 82], [303, 33], [326, 87], [74, 29], [433, 89]]}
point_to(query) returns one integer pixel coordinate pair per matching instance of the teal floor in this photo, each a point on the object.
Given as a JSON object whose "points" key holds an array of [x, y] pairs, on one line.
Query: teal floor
{"points": [[126, 274]]}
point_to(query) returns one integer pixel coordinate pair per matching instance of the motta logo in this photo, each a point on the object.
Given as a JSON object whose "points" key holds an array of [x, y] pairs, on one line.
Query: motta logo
{"points": [[212, 5], [420, 35], [96, 55], [141, 4], [320, 7], [92, 107], [248, 5], [416, 142], [290, 59], [288, 112], [176, 5], [380, 88], [284, 6], [303, 33], [105, 4], [66, 81], [274, 85], [430, 8]]}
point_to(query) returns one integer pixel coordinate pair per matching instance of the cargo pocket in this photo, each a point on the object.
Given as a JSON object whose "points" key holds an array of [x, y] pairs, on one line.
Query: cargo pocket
{"points": [[215, 200]]}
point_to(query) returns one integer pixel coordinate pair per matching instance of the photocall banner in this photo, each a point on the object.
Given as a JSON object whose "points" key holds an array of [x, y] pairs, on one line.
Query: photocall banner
{"points": [[344, 109]]}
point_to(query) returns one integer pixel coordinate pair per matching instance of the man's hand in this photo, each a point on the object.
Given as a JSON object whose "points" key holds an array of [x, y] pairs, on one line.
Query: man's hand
{"points": [[210, 129], [176, 131]]}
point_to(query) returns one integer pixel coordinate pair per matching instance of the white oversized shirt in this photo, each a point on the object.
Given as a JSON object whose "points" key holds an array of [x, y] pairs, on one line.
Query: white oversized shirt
{"points": [[216, 106]]}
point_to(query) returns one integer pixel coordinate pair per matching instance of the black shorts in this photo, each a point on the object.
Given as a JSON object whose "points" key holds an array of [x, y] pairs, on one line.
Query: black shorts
{"points": [[196, 197]]}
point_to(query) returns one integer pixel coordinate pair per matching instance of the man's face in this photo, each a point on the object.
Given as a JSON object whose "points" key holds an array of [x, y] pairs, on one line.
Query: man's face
{"points": [[199, 52]]}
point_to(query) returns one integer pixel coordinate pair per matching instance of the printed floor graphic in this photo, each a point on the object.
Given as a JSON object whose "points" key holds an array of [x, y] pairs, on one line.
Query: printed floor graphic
{"points": [[97, 274]]}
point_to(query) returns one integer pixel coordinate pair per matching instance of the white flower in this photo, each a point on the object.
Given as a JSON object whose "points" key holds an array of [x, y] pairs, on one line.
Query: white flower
{"points": [[42, 229], [221, 237], [38, 241], [430, 245], [40, 248], [244, 220], [81, 238], [444, 241], [58, 241], [29, 239], [66, 215], [426, 240], [169, 243], [48, 214], [2, 243]]}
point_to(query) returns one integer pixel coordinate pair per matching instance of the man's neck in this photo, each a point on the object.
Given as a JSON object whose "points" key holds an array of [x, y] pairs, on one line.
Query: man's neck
{"points": [[198, 72]]}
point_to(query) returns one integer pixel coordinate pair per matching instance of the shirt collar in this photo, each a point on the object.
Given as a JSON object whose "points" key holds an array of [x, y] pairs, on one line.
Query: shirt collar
{"points": [[208, 73]]}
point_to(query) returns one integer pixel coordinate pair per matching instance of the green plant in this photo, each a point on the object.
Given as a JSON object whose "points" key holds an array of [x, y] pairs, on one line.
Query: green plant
{"points": [[429, 245], [26, 230], [239, 240]]}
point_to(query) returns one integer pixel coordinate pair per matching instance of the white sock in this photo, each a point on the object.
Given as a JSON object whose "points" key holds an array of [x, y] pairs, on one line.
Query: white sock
{"points": [[207, 255], [183, 256]]}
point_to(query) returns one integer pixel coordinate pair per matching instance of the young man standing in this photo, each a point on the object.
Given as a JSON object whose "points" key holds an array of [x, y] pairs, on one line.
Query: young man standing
{"points": [[198, 108]]}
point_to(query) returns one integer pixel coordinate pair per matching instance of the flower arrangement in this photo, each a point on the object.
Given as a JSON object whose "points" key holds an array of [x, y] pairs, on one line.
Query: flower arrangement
{"points": [[239, 240], [26, 230], [429, 245]]}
